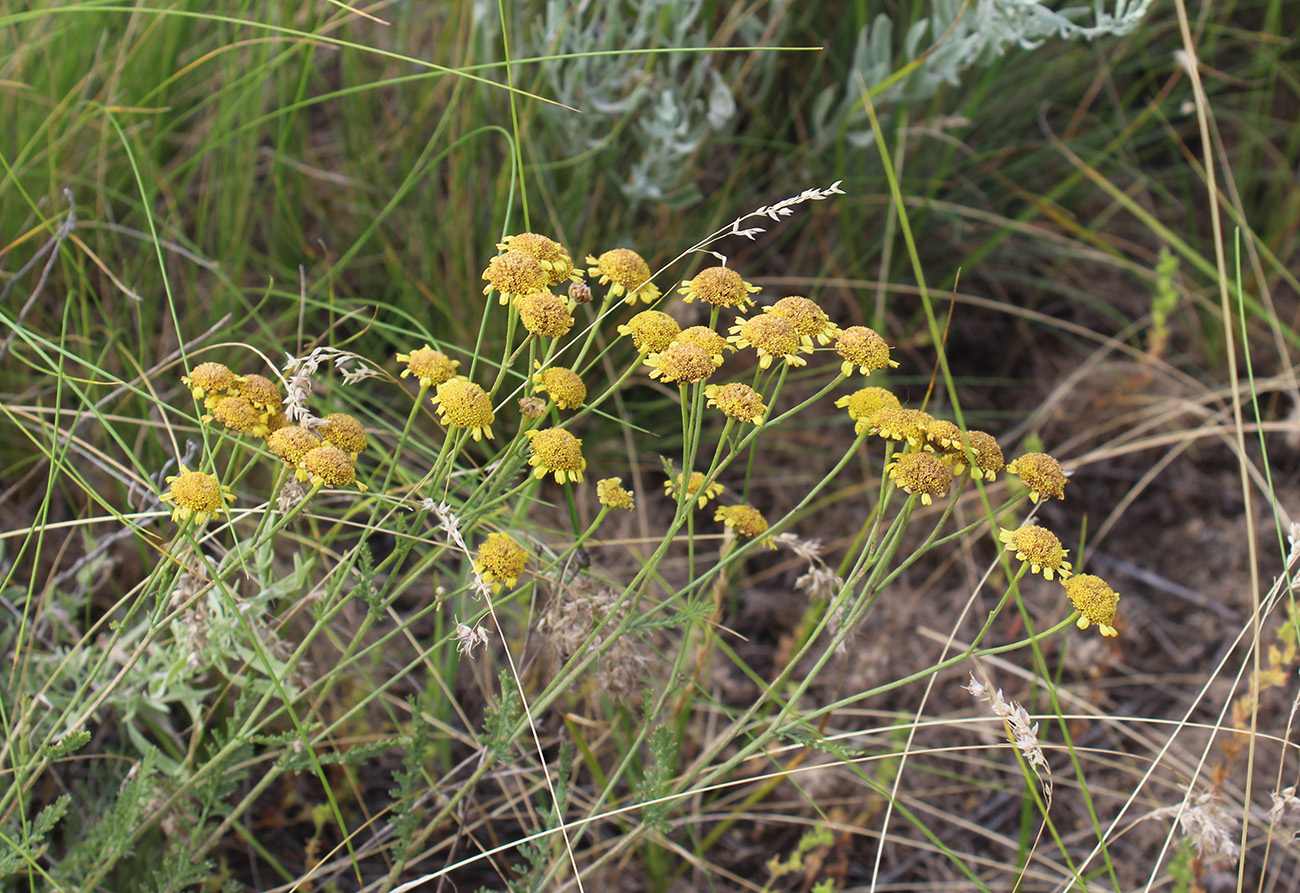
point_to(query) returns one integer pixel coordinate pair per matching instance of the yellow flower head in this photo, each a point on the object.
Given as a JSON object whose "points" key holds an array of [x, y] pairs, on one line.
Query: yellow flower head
{"points": [[430, 367], [329, 466], [564, 386], [237, 414], [500, 560], [942, 436], [810, 321], [902, 424], [291, 443], [737, 401], [610, 492], [774, 337], [693, 488], [921, 474], [711, 341], [556, 450], [345, 432], [208, 380], [545, 315], [553, 256], [863, 404], [650, 330], [463, 404], [532, 407], [1041, 474], [626, 272], [988, 456], [746, 521], [719, 286], [681, 362], [1095, 601], [196, 495], [258, 390], [515, 274], [275, 421], [1039, 547], [864, 349]]}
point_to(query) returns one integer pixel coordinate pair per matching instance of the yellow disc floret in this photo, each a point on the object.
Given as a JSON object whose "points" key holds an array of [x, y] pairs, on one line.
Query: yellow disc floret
{"points": [[863, 349], [810, 321], [564, 386], [345, 432], [1041, 474], [1095, 601], [746, 521], [650, 330], [988, 456], [556, 451], [514, 274], [611, 494], [500, 560], [329, 466], [694, 488], [429, 367], [196, 496], [774, 337], [737, 401], [902, 424], [626, 273], [711, 341], [463, 404], [719, 286], [921, 474], [554, 257], [864, 404], [545, 315], [207, 380], [258, 390], [291, 443], [238, 415], [1039, 548], [682, 363]]}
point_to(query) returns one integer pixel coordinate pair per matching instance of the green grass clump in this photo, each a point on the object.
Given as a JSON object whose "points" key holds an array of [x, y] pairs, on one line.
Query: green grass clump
{"points": [[416, 475]]}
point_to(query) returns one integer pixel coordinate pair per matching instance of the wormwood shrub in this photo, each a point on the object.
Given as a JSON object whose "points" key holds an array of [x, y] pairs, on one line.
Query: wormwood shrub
{"points": [[326, 583]]}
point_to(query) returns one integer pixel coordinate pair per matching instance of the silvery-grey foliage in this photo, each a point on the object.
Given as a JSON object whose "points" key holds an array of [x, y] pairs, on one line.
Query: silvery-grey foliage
{"points": [[966, 38]]}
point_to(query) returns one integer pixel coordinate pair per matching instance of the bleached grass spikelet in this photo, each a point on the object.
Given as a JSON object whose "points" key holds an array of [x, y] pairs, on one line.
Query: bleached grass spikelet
{"points": [[469, 637], [1020, 726], [299, 372], [1207, 824]]}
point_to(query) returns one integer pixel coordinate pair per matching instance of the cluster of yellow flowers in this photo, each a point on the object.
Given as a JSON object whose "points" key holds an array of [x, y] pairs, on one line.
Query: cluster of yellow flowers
{"points": [[251, 404], [934, 451]]}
